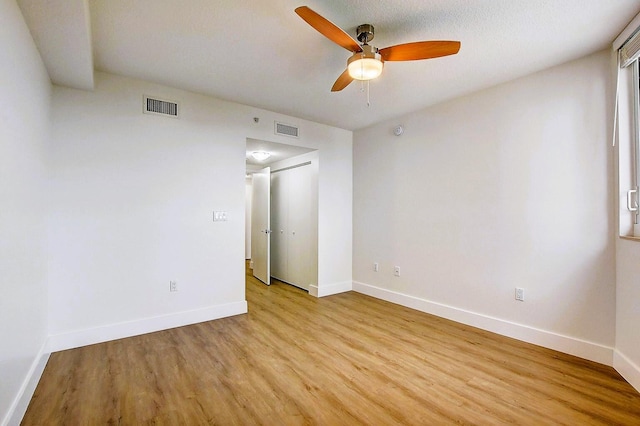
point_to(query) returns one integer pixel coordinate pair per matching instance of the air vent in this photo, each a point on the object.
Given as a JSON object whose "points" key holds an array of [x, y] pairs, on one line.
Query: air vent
{"points": [[286, 130], [160, 107]]}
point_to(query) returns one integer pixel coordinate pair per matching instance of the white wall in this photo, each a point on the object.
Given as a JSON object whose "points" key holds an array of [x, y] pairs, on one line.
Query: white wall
{"points": [[25, 93], [627, 359], [335, 230], [509, 187], [132, 197]]}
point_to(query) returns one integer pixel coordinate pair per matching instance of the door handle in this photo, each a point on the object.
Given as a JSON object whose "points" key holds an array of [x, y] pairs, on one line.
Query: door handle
{"points": [[633, 207]]}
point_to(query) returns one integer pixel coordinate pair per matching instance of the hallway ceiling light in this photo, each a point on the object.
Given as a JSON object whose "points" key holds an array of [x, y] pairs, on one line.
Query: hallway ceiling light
{"points": [[260, 155]]}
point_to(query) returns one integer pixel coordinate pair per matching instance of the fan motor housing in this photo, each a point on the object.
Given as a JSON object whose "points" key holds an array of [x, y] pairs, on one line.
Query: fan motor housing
{"points": [[365, 33]]}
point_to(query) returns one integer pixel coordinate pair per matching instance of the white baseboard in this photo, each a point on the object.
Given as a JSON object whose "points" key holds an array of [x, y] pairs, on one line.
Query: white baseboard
{"points": [[21, 402], [75, 339], [567, 344], [328, 290], [627, 369]]}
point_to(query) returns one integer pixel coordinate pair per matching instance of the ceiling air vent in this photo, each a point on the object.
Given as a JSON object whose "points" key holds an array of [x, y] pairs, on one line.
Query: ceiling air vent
{"points": [[286, 130], [160, 107]]}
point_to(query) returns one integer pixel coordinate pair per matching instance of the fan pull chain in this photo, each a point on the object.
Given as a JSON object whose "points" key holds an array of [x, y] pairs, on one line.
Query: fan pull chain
{"points": [[364, 84]]}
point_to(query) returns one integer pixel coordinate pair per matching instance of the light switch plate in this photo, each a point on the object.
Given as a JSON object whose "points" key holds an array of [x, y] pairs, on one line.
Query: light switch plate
{"points": [[219, 216]]}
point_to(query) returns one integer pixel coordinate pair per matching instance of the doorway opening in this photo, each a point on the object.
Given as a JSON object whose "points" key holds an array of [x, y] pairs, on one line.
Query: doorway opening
{"points": [[281, 229]]}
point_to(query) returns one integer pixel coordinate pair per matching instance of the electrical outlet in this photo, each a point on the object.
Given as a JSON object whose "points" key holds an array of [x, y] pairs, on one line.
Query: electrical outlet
{"points": [[173, 286], [520, 294], [396, 271], [375, 267]]}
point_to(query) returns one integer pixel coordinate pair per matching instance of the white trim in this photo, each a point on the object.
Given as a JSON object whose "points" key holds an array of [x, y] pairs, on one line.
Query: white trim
{"points": [[617, 101], [328, 290], [75, 339], [313, 290], [567, 344], [21, 402], [627, 369]]}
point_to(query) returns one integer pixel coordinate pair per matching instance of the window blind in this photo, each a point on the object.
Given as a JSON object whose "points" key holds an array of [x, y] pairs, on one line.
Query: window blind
{"points": [[630, 50]]}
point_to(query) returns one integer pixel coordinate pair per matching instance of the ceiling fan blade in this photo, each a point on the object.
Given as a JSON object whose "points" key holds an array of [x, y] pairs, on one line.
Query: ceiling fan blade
{"points": [[419, 50], [343, 81], [328, 29]]}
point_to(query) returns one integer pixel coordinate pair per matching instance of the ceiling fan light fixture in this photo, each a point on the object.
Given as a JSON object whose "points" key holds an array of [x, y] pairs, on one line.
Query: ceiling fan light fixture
{"points": [[366, 62], [260, 155], [365, 65]]}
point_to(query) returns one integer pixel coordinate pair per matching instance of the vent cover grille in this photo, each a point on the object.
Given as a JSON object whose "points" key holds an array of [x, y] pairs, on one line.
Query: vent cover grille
{"points": [[160, 107], [286, 130]]}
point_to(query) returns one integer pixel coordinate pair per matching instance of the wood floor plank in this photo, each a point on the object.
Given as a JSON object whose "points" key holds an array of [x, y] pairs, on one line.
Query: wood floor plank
{"points": [[346, 359]]}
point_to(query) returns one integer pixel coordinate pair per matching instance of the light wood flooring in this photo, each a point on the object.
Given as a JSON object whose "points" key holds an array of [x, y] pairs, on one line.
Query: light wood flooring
{"points": [[346, 359]]}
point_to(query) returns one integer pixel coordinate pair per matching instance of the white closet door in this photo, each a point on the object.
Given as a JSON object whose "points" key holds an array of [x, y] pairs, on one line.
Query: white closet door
{"points": [[300, 250], [260, 221], [279, 225]]}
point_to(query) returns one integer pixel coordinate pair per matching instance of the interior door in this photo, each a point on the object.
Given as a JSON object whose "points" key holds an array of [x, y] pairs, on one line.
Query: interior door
{"points": [[300, 253], [260, 225], [279, 225]]}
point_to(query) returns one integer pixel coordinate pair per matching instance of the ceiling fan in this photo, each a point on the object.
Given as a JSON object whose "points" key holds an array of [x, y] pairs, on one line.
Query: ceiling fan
{"points": [[367, 61]]}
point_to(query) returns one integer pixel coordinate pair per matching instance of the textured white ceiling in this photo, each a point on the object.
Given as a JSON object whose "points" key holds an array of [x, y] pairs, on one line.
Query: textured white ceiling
{"points": [[262, 54]]}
